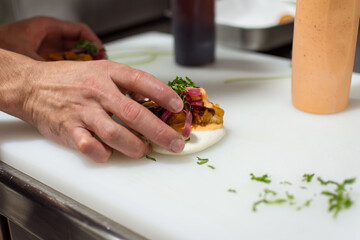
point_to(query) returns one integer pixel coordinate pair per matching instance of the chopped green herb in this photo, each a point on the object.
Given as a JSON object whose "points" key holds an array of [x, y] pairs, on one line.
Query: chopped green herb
{"points": [[89, 46], [202, 161], [267, 191], [308, 177], [286, 183], [179, 84], [339, 199], [151, 158], [211, 166], [263, 178], [232, 190], [187, 140], [290, 196], [306, 204], [266, 200]]}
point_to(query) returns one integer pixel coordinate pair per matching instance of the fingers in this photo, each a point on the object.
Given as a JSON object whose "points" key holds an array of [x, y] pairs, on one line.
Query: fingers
{"points": [[145, 84], [143, 121], [117, 136], [137, 97], [85, 143], [136, 116], [32, 54], [75, 30], [70, 30]]}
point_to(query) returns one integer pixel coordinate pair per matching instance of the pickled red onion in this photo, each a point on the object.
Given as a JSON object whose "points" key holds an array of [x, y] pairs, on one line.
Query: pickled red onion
{"points": [[166, 115], [194, 92], [187, 128]]}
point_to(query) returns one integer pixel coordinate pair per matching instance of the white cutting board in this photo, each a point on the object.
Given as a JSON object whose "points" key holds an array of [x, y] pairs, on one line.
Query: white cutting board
{"points": [[174, 197]]}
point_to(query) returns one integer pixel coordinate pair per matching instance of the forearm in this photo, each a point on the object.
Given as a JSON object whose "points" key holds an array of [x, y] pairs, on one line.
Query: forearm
{"points": [[15, 87]]}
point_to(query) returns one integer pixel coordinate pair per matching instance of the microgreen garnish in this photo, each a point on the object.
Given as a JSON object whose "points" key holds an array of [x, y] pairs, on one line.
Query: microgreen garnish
{"points": [[263, 178], [179, 84], [232, 190], [308, 177], [89, 46], [187, 140], [211, 166], [151, 158], [339, 199], [202, 161]]}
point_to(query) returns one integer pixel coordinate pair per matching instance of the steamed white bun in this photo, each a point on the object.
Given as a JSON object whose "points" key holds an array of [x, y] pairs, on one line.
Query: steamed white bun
{"points": [[199, 140]]}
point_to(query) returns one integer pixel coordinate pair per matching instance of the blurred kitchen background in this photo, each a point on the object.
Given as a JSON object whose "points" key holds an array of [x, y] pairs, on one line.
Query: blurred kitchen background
{"points": [[106, 17], [114, 19]]}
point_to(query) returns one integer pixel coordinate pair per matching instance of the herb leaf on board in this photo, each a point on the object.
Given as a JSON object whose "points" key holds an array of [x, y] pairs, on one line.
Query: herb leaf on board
{"points": [[263, 178], [202, 161], [308, 177], [339, 198], [151, 158]]}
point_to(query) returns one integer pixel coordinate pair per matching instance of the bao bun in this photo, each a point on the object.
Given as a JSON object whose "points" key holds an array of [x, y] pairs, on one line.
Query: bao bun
{"points": [[199, 141]]}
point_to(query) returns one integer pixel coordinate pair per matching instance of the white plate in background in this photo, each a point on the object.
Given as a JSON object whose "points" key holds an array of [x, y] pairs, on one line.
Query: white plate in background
{"points": [[252, 14]]}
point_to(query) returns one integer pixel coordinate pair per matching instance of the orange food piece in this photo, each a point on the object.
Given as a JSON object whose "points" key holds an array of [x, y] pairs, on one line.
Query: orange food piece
{"points": [[69, 55], [208, 117], [55, 56], [177, 121], [286, 18]]}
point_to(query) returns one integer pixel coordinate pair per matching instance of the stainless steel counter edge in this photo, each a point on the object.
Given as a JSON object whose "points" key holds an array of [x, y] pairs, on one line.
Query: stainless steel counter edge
{"points": [[49, 214]]}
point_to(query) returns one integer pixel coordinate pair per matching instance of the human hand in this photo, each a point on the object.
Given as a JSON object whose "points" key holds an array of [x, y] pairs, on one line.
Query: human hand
{"points": [[37, 37], [69, 102]]}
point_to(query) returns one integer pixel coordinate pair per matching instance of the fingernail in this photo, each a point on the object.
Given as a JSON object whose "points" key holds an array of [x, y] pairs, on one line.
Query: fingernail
{"points": [[176, 104], [177, 145]]}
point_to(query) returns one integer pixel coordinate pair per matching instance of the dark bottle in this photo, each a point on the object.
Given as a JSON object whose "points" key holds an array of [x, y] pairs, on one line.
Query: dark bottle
{"points": [[193, 27]]}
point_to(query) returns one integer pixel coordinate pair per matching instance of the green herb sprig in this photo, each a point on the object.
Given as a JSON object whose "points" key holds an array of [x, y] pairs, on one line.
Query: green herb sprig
{"points": [[179, 84], [211, 166], [202, 161], [151, 158], [308, 177], [89, 46], [267, 199], [263, 178], [339, 199]]}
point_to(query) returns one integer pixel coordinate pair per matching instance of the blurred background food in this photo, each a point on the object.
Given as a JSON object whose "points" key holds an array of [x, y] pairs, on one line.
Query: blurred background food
{"points": [[263, 25], [103, 16]]}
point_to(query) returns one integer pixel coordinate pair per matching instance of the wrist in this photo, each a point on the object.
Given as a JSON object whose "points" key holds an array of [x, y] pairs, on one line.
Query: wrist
{"points": [[16, 77]]}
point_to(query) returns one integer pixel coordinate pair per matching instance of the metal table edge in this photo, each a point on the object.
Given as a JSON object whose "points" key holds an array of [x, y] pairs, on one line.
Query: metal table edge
{"points": [[48, 214]]}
